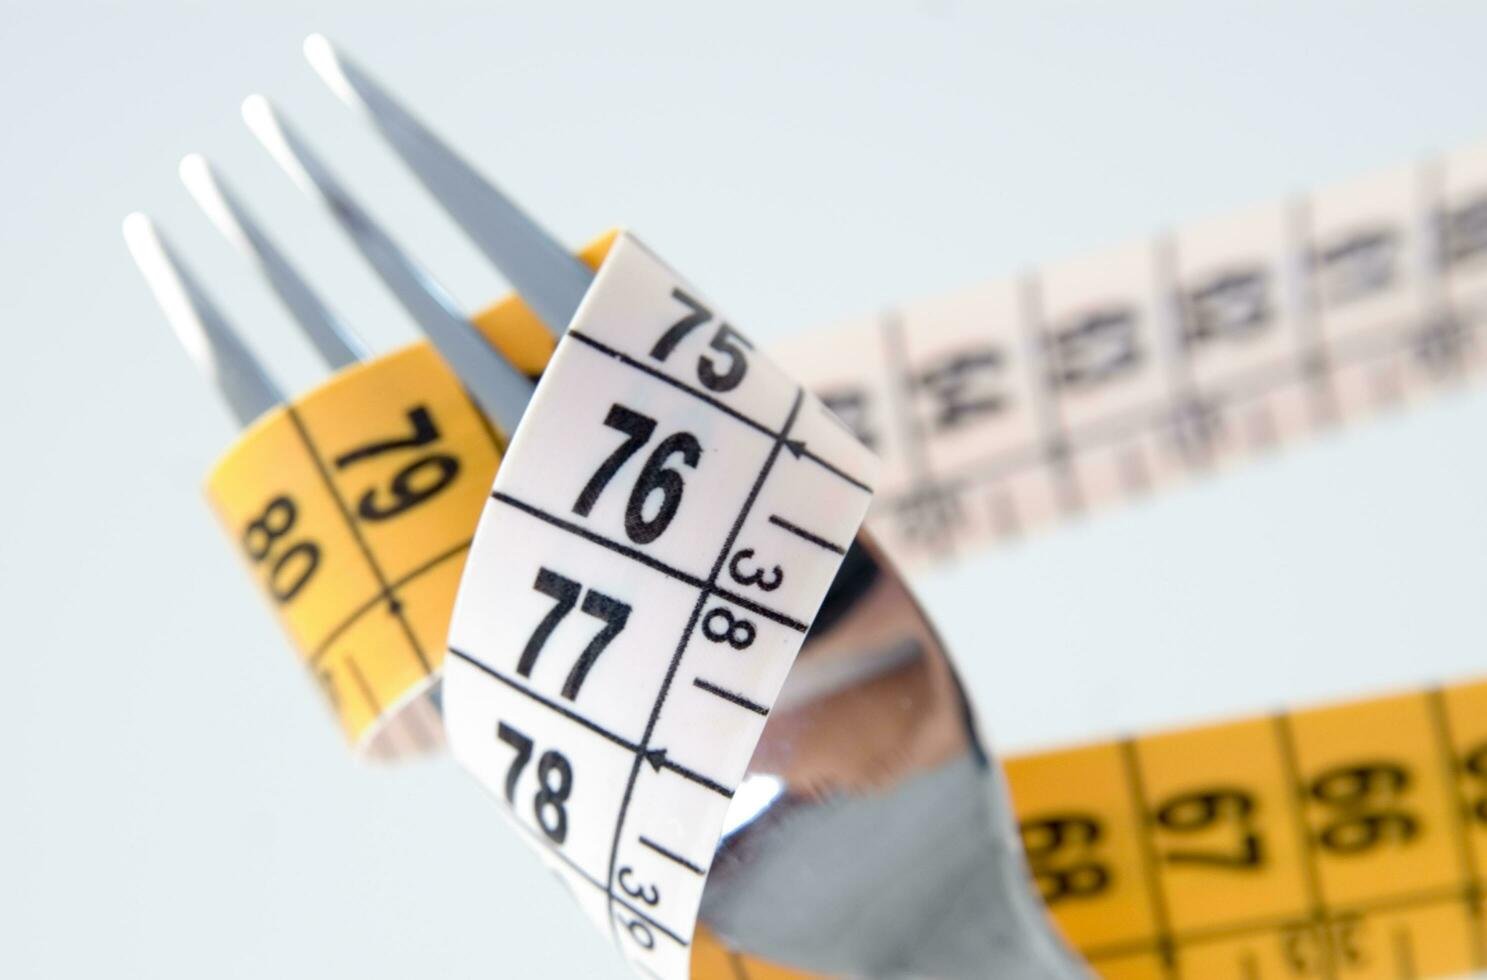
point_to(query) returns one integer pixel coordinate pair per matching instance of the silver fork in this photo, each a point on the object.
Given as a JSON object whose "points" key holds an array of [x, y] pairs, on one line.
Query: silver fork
{"points": [[877, 839]]}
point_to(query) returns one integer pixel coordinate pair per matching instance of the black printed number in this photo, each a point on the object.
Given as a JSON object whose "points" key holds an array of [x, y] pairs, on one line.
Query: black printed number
{"points": [[717, 373], [1093, 348], [1363, 800], [418, 481], [293, 566], [638, 930], [767, 582], [1309, 948], [1475, 765], [657, 476], [1060, 855], [963, 387], [649, 894], [554, 782], [523, 747], [721, 626], [614, 614], [1197, 813]]}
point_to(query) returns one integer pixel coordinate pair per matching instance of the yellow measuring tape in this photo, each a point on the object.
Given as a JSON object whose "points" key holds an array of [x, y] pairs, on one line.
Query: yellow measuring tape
{"points": [[354, 506], [1340, 842]]}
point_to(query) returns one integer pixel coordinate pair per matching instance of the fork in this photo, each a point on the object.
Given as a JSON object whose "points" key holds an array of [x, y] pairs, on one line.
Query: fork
{"points": [[872, 835]]}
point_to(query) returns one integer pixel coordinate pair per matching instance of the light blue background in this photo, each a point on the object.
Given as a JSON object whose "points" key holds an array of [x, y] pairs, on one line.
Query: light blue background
{"points": [[177, 804]]}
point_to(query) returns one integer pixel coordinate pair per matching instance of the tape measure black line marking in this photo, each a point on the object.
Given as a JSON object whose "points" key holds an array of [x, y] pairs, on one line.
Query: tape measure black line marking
{"points": [[681, 647], [1456, 809], [1270, 925], [655, 564], [375, 600], [656, 757], [361, 684], [578, 869], [1155, 890], [569, 713], [670, 855], [1313, 365], [1196, 423], [394, 604], [1173, 359], [805, 535], [1446, 317], [1311, 873], [730, 696], [904, 409], [1050, 448], [799, 450]]}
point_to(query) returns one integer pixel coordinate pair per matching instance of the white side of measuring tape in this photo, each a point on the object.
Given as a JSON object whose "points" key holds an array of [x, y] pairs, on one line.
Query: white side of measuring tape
{"points": [[1022, 402], [666, 523]]}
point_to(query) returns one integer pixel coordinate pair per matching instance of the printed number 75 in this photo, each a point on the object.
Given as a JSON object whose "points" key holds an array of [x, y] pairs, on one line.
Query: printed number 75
{"points": [[725, 341]]}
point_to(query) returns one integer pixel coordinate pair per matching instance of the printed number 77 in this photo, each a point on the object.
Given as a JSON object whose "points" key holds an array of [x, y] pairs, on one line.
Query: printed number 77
{"points": [[613, 612]]}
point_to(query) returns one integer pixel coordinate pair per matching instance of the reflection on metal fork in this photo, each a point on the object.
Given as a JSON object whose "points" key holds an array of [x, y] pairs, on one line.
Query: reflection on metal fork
{"points": [[873, 835], [501, 390], [205, 333], [332, 338]]}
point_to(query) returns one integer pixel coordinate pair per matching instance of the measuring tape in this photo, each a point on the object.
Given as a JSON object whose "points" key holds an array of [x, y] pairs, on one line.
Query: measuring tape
{"points": [[1339, 842], [354, 506], [673, 511], [1033, 399], [1334, 843]]}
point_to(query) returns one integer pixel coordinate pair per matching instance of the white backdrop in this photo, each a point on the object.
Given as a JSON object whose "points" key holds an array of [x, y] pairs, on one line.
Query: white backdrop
{"points": [[179, 805]]}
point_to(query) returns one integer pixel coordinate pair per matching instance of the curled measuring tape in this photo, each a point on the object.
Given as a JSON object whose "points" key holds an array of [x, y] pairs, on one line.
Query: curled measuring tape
{"points": [[640, 582], [668, 520], [1342, 842]]}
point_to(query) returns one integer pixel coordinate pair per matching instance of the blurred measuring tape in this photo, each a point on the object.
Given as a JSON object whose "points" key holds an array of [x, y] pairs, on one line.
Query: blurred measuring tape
{"points": [[1027, 400], [1341, 842]]}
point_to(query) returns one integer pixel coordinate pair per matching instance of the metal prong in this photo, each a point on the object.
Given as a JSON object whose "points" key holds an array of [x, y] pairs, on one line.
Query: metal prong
{"points": [[501, 390], [207, 336], [549, 279], [332, 338]]}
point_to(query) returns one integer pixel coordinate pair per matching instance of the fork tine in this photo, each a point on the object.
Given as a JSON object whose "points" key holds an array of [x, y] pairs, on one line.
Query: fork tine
{"points": [[549, 278], [207, 336], [502, 391], [335, 341]]}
